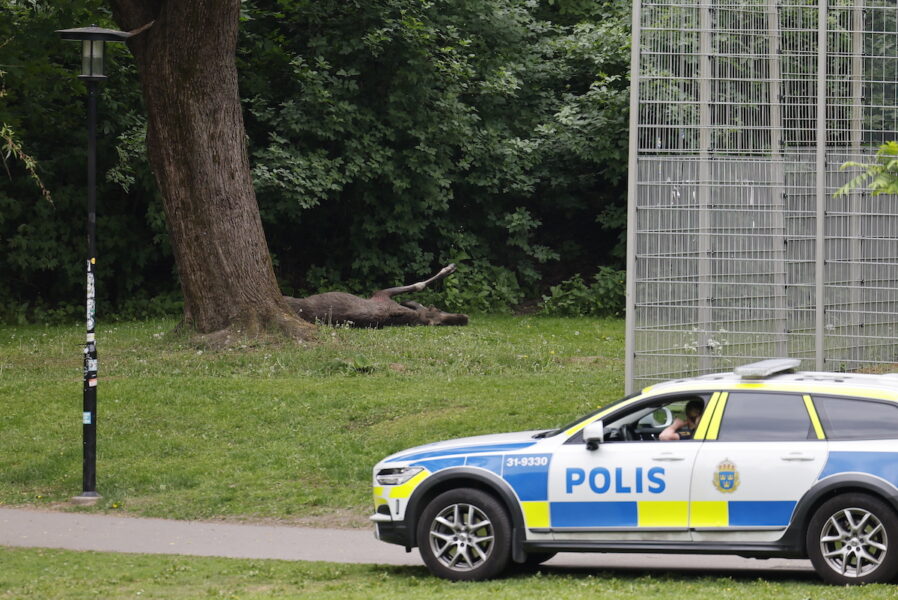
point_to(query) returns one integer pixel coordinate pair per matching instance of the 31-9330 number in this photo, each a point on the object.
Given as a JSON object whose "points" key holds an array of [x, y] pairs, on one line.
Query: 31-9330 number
{"points": [[526, 461]]}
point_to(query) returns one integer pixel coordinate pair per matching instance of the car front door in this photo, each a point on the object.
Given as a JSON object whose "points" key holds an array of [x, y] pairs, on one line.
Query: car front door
{"points": [[625, 489], [762, 452]]}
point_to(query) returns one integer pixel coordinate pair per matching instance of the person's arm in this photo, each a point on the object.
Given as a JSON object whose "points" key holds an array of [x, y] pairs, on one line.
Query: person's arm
{"points": [[670, 433]]}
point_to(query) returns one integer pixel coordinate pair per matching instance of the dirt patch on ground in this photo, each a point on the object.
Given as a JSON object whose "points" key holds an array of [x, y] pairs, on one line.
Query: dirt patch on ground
{"points": [[589, 360]]}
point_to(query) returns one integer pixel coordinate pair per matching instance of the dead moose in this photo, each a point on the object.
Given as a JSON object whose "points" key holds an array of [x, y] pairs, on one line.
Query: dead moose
{"points": [[380, 310]]}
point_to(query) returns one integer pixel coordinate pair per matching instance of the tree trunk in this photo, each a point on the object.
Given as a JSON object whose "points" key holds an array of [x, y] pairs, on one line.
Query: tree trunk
{"points": [[197, 150]]}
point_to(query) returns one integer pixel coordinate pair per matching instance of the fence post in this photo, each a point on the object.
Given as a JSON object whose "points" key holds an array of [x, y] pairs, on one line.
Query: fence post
{"points": [[632, 181], [820, 216]]}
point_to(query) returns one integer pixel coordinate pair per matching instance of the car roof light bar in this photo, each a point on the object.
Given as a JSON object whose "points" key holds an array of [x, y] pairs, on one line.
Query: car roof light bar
{"points": [[766, 368]]}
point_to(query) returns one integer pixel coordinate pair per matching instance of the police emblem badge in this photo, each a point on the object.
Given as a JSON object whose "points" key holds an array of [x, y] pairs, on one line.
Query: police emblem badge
{"points": [[726, 478]]}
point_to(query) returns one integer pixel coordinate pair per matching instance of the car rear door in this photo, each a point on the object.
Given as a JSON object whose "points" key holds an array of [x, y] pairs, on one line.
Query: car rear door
{"points": [[762, 452]]}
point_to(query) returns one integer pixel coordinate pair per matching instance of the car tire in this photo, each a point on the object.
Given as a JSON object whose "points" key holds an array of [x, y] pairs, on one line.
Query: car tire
{"points": [[852, 539], [464, 535]]}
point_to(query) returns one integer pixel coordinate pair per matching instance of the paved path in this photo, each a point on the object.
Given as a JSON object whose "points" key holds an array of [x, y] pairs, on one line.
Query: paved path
{"points": [[79, 531]]}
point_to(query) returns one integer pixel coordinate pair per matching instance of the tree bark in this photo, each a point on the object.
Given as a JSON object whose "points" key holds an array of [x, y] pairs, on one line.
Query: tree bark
{"points": [[197, 150]]}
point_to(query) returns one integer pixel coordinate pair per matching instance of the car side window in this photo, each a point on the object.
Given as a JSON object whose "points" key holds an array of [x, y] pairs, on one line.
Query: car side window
{"points": [[856, 419], [645, 422], [758, 417]]}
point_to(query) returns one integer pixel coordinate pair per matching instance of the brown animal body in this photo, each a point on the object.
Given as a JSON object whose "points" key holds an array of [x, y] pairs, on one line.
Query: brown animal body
{"points": [[380, 310]]}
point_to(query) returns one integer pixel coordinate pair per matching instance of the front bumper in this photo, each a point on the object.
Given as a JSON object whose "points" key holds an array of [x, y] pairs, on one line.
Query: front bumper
{"points": [[389, 531]]}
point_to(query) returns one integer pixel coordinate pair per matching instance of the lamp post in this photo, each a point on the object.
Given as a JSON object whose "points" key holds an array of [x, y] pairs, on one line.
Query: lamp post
{"points": [[93, 40]]}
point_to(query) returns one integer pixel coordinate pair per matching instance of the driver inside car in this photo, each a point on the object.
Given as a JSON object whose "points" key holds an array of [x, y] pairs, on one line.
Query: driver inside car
{"points": [[684, 430]]}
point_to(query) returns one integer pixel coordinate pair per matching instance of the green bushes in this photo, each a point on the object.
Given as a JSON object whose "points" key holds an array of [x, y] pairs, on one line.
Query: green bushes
{"points": [[604, 297], [390, 138], [477, 287], [386, 139], [42, 240]]}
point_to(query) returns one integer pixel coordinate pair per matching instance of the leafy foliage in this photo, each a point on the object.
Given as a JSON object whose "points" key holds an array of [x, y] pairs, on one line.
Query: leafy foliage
{"points": [[399, 135], [386, 138], [11, 147], [478, 286], [42, 248], [880, 176], [604, 297]]}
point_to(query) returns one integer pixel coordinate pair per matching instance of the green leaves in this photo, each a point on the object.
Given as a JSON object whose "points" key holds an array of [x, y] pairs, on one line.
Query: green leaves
{"points": [[392, 129], [11, 148], [604, 297], [880, 176], [385, 139]]}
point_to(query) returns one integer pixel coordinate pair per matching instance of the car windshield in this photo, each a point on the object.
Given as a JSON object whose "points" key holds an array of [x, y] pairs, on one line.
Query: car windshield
{"points": [[552, 432]]}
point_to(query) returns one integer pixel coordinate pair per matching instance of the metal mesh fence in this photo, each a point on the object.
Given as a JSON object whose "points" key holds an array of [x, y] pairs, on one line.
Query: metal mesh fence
{"points": [[743, 113]]}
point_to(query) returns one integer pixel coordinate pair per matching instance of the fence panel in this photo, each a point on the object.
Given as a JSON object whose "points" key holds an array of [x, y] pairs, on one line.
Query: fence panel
{"points": [[744, 112]]}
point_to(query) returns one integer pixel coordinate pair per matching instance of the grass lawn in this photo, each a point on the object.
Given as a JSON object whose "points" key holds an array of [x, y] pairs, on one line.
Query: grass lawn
{"points": [[49, 574], [280, 432]]}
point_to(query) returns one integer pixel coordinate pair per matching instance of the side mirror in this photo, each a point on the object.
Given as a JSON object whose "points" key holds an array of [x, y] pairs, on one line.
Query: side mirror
{"points": [[662, 417], [594, 434]]}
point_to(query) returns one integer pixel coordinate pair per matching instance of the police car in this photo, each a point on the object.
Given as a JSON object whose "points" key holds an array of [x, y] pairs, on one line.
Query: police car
{"points": [[779, 464]]}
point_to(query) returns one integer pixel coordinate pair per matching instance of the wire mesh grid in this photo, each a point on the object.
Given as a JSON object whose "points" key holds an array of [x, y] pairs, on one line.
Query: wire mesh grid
{"points": [[745, 111]]}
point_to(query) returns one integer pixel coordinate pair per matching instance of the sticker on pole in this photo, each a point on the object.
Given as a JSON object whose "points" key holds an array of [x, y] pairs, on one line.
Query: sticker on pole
{"points": [[87, 418]]}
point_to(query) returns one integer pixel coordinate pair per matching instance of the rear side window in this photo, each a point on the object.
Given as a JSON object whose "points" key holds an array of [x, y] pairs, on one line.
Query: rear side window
{"points": [[755, 417], [855, 419]]}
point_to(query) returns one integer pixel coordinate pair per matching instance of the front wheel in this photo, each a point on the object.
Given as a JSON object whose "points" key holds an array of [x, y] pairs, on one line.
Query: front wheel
{"points": [[464, 535], [853, 539]]}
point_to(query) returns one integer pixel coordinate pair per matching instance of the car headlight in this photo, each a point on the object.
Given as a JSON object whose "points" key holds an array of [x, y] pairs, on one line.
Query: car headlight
{"points": [[397, 476]]}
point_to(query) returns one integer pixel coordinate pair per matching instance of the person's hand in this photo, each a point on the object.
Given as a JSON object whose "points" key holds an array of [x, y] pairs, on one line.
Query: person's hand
{"points": [[670, 433]]}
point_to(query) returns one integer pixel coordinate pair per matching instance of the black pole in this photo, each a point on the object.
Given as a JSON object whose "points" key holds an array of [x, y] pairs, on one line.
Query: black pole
{"points": [[90, 349], [93, 40]]}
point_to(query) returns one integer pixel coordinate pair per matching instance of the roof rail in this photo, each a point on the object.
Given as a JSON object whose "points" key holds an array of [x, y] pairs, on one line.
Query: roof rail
{"points": [[766, 368]]}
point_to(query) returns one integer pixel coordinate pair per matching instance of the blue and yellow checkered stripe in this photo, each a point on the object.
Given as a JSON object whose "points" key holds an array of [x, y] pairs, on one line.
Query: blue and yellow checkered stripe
{"points": [[658, 514], [531, 486]]}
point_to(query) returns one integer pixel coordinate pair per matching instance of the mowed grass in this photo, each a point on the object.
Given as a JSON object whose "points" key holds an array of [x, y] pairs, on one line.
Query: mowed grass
{"points": [[49, 574], [278, 431]]}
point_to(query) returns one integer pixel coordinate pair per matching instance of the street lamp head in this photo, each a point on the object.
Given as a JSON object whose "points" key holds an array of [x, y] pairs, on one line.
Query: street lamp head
{"points": [[92, 40]]}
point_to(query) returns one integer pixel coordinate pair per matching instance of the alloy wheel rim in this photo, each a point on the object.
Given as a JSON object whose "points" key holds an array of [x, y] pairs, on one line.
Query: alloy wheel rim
{"points": [[461, 537], [853, 542]]}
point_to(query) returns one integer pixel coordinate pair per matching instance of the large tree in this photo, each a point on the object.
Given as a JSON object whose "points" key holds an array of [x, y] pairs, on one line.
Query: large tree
{"points": [[185, 55], [386, 138]]}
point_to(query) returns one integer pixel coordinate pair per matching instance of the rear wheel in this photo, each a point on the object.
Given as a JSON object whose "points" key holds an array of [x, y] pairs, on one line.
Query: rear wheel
{"points": [[464, 535], [853, 539]]}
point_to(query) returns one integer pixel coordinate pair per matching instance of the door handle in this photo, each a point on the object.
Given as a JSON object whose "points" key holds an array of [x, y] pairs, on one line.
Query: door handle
{"points": [[797, 457], [668, 456]]}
